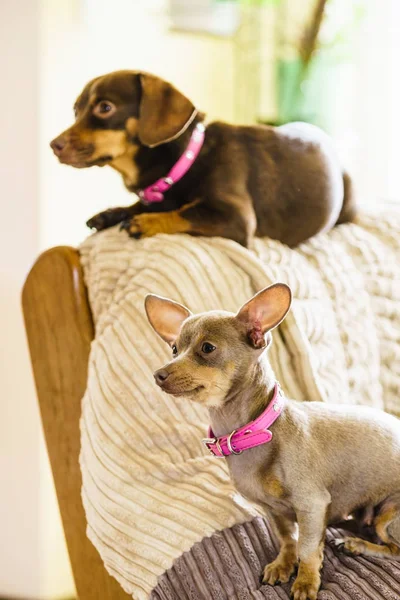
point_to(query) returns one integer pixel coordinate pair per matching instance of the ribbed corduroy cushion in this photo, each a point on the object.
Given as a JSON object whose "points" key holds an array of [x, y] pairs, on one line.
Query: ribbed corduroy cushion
{"points": [[229, 564]]}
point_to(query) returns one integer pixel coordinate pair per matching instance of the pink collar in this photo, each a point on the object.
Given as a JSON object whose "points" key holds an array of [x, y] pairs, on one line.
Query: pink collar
{"points": [[155, 192], [253, 434]]}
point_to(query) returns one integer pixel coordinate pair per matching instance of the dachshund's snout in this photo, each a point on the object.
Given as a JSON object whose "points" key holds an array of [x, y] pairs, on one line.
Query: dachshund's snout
{"points": [[58, 145]]}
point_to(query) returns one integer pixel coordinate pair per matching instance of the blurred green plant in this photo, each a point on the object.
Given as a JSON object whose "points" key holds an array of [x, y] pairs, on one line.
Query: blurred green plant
{"points": [[312, 39], [307, 64]]}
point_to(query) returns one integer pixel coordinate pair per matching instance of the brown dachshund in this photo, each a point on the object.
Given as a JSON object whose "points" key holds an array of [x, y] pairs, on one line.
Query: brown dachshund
{"points": [[282, 182]]}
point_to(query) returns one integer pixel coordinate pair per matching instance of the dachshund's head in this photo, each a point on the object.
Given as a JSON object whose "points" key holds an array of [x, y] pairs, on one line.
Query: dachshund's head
{"points": [[119, 112]]}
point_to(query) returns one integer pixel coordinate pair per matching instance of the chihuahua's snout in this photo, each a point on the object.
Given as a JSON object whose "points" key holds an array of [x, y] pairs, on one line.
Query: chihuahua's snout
{"points": [[58, 145], [161, 376]]}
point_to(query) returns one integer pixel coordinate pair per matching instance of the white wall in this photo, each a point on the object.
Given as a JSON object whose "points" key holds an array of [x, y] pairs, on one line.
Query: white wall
{"points": [[28, 512], [392, 191], [372, 113], [366, 97]]}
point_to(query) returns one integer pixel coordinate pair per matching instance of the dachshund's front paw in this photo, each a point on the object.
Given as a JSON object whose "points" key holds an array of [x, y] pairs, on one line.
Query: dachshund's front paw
{"points": [[280, 570], [107, 218], [131, 228], [149, 224]]}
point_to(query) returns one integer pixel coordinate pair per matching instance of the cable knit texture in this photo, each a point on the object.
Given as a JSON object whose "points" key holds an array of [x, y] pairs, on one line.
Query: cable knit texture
{"points": [[150, 490]]}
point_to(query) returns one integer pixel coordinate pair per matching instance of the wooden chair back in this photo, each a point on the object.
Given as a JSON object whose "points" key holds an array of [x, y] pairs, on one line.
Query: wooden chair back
{"points": [[59, 327]]}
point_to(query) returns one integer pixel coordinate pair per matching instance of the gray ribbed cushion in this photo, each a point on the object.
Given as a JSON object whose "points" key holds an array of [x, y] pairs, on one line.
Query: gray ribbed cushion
{"points": [[228, 566]]}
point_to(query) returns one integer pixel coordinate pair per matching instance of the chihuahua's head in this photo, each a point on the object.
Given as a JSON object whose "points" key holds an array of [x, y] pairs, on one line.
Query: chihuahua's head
{"points": [[117, 113], [215, 352]]}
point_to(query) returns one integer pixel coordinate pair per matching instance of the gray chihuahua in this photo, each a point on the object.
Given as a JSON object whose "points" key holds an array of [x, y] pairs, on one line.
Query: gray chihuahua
{"points": [[323, 463]]}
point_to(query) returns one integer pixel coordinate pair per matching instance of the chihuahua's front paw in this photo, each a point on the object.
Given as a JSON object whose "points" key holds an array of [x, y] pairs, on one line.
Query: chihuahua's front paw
{"points": [[107, 218], [306, 588], [280, 570], [353, 546]]}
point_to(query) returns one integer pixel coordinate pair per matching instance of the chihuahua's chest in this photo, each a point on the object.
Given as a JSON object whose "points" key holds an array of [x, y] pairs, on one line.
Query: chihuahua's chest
{"points": [[258, 480]]}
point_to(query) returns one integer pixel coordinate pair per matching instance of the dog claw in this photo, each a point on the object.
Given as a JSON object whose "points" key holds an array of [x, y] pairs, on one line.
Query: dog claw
{"points": [[306, 586], [97, 222], [344, 546], [304, 593], [107, 218], [278, 572], [350, 546], [124, 225], [129, 226], [91, 224], [338, 544]]}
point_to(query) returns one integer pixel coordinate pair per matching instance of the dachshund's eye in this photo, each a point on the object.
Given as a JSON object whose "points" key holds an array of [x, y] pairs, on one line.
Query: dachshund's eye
{"points": [[104, 109], [207, 348], [174, 350], [75, 111]]}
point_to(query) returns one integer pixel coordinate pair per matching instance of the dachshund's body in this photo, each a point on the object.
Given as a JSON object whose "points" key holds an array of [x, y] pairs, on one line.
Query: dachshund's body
{"points": [[285, 182]]}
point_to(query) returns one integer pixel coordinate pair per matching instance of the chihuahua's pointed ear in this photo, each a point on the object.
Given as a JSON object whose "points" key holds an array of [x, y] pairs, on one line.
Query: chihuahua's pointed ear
{"points": [[164, 112], [165, 316], [265, 311]]}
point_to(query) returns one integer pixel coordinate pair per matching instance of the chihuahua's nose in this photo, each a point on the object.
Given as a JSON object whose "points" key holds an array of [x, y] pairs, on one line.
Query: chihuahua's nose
{"points": [[160, 376], [58, 145]]}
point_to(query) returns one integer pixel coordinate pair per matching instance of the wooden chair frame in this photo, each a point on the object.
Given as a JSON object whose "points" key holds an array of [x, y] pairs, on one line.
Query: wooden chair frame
{"points": [[60, 329]]}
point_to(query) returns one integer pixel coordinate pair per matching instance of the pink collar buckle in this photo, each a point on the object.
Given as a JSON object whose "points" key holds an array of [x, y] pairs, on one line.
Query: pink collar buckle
{"points": [[155, 192], [249, 436]]}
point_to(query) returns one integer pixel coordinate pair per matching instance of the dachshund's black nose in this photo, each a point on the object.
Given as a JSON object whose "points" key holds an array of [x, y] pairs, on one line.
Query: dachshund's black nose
{"points": [[58, 145], [160, 376]]}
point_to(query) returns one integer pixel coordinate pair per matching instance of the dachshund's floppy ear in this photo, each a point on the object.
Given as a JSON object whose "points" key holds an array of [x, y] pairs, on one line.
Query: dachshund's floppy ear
{"points": [[164, 112]]}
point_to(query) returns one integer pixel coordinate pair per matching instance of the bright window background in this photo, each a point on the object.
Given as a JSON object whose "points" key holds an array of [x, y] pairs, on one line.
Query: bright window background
{"points": [[83, 38], [374, 100]]}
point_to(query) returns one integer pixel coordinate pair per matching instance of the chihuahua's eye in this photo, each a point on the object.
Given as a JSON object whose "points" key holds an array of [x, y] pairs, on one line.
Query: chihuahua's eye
{"points": [[174, 350], [104, 109], [75, 112], [207, 348]]}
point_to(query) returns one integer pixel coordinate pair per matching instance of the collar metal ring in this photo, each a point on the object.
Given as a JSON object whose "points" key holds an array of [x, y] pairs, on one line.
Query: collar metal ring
{"points": [[229, 444]]}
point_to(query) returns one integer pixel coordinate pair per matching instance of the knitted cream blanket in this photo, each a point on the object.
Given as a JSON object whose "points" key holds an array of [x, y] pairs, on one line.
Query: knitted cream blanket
{"points": [[150, 490]]}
